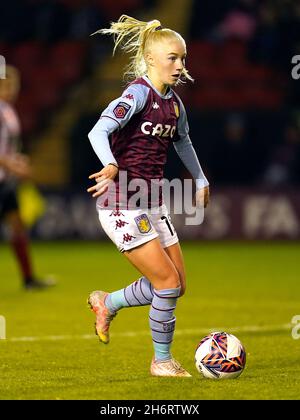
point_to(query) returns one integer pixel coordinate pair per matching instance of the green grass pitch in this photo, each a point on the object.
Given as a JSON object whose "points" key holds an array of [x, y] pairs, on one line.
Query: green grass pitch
{"points": [[51, 352]]}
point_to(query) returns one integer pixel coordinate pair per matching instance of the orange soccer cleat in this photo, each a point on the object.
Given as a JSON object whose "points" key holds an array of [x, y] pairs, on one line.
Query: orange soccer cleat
{"points": [[103, 315]]}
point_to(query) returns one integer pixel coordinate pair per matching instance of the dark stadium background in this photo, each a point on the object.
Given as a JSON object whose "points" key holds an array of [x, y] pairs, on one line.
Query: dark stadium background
{"points": [[243, 108], [242, 263]]}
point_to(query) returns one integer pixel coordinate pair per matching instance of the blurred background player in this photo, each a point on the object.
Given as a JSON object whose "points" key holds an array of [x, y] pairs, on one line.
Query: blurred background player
{"points": [[143, 122], [14, 167]]}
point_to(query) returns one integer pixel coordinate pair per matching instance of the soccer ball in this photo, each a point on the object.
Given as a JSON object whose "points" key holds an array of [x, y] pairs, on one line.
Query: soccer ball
{"points": [[220, 355]]}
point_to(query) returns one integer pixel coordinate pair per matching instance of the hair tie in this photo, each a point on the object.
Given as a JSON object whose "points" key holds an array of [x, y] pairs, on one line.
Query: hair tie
{"points": [[158, 28]]}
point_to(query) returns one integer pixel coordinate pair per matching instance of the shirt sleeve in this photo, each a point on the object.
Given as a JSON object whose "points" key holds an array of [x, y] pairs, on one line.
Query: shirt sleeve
{"points": [[186, 151], [115, 117]]}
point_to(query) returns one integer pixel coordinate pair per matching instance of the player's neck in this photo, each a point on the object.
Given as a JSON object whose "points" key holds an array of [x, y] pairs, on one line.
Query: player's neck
{"points": [[159, 86]]}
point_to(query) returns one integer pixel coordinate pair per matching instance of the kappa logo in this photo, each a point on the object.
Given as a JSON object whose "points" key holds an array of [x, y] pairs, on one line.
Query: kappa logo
{"points": [[128, 96], [116, 213], [155, 105], [127, 237], [120, 223]]}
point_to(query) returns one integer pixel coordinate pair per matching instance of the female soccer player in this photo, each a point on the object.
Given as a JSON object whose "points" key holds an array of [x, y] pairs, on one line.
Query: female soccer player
{"points": [[141, 124], [14, 167]]}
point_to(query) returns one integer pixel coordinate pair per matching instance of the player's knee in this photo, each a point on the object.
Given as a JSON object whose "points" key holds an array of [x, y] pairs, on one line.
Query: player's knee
{"points": [[173, 280], [182, 283], [182, 290], [170, 280]]}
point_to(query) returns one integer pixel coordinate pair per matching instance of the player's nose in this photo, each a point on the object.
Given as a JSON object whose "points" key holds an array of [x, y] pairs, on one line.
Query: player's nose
{"points": [[179, 68]]}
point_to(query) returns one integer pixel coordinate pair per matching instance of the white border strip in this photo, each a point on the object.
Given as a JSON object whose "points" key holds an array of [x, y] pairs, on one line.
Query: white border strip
{"points": [[198, 331]]}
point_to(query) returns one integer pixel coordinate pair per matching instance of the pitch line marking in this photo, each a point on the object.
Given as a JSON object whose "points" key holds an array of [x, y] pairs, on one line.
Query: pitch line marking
{"points": [[198, 331]]}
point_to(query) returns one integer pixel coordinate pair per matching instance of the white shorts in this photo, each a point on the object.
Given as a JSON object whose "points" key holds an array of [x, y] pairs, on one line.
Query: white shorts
{"points": [[131, 228]]}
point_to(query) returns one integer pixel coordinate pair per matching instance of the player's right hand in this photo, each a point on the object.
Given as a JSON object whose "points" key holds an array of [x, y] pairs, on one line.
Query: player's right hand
{"points": [[202, 197], [103, 179], [19, 166]]}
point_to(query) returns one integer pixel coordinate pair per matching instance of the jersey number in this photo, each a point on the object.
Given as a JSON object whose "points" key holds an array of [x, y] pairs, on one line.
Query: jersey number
{"points": [[168, 224]]}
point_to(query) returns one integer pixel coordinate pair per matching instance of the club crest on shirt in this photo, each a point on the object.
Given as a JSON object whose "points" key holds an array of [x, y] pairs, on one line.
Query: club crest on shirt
{"points": [[176, 109], [121, 109], [143, 223]]}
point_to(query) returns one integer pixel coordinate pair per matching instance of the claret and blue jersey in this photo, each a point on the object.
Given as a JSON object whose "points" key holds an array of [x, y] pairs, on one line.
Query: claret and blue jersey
{"points": [[135, 131], [146, 123]]}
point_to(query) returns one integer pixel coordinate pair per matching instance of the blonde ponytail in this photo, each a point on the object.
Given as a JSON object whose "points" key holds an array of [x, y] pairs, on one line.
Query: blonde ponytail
{"points": [[133, 36]]}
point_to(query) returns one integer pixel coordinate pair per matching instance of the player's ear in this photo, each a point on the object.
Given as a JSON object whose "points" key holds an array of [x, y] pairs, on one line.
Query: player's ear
{"points": [[149, 59]]}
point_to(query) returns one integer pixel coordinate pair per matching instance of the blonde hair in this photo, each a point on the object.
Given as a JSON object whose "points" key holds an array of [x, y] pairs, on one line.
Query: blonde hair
{"points": [[134, 36]]}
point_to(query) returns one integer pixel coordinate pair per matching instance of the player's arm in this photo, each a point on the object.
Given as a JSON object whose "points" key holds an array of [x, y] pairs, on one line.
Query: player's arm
{"points": [[188, 156], [17, 165], [113, 118]]}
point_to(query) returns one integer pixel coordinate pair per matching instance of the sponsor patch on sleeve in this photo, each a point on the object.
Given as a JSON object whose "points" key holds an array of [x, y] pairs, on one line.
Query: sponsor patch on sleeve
{"points": [[121, 109]]}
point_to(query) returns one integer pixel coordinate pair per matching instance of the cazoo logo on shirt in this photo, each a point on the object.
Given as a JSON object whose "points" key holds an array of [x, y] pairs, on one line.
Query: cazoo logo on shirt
{"points": [[161, 130]]}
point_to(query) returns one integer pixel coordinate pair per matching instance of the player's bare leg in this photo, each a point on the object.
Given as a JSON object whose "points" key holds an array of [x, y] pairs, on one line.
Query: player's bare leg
{"points": [[151, 261], [20, 244], [175, 254], [155, 264], [97, 299]]}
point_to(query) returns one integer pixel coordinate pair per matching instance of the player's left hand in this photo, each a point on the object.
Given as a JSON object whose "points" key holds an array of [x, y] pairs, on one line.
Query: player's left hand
{"points": [[202, 197]]}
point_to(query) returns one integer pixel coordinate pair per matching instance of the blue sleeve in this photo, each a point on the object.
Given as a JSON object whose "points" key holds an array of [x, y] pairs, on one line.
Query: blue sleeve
{"points": [[115, 117], [186, 151]]}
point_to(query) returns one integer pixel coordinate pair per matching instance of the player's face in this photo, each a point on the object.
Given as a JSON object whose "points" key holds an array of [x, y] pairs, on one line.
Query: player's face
{"points": [[167, 61]]}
